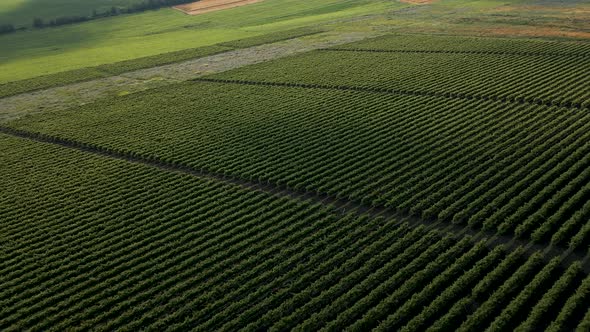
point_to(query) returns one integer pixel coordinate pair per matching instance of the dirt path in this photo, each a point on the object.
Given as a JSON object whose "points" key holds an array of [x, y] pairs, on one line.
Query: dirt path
{"points": [[64, 97], [342, 205], [418, 2]]}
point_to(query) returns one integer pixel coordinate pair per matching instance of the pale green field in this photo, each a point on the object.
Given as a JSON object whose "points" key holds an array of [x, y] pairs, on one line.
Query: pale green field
{"points": [[33, 53], [21, 12]]}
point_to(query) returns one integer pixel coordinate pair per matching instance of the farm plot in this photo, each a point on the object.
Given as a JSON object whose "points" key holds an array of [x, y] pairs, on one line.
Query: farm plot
{"points": [[506, 167], [207, 6], [116, 245], [549, 80], [499, 46], [205, 205], [121, 67]]}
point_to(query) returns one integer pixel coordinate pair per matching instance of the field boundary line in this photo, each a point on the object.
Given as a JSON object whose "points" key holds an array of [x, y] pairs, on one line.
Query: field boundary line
{"points": [[447, 95], [106, 70], [370, 50], [344, 206]]}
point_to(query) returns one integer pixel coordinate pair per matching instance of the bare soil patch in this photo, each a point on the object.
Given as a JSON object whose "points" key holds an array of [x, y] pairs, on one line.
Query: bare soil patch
{"points": [[206, 6], [566, 10], [418, 2]]}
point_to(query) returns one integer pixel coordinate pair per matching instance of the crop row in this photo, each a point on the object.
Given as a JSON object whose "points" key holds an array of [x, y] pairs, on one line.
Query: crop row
{"points": [[510, 168], [372, 50], [450, 95], [549, 80], [472, 44], [153, 248], [196, 253]]}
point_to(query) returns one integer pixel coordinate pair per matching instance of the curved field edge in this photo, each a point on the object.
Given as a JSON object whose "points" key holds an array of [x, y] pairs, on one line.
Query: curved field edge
{"points": [[154, 246]]}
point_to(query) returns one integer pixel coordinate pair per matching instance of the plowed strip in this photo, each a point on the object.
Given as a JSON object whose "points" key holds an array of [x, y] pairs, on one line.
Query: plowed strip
{"points": [[418, 2], [206, 6]]}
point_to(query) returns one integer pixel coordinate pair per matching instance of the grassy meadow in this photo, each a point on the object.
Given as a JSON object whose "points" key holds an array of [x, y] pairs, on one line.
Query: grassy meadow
{"points": [[40, 52]]}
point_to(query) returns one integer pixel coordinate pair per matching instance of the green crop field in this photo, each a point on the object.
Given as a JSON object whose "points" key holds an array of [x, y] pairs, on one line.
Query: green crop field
{"points": [[34, 53], [405, 182], [40, 52], [121, 67]]}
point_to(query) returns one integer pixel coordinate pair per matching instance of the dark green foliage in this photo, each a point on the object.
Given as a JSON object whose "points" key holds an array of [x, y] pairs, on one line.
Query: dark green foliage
{"points": [[6, 28], [177, 209], [457, 160]]}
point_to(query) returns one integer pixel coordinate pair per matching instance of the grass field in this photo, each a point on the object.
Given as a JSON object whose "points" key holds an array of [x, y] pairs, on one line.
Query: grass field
{"points": [[34, 53], [121, 67], [402, 183], [20, 13]]}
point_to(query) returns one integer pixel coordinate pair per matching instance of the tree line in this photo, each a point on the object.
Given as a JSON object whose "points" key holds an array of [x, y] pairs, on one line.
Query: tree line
{"points": [[7, 28], [40, 23]]}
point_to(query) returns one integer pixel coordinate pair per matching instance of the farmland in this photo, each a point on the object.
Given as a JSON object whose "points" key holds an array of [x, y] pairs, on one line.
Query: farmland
{"points": [[117, 68], [168, 249], [399, 183], [271, 173], [21, 12], [202, 7], [126, 37], [47, 51]]}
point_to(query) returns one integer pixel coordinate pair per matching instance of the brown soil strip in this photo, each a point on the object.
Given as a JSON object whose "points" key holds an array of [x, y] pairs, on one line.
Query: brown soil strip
{"points": [[418, 2], [206, 6], [492, 239], [565, 9]]}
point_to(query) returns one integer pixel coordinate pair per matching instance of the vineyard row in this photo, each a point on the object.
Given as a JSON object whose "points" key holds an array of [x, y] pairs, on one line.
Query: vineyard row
{"points": [[454, 52], [343, 205], [175, 251], [514, 170], [472, 44], [447, 95], [539, 80]]}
